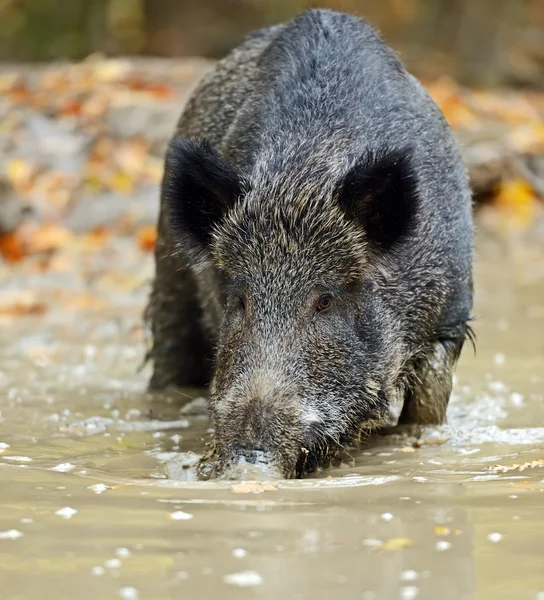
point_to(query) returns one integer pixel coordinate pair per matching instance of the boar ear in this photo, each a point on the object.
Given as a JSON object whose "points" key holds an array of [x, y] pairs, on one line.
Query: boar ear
{"points": [[380, 192], [198, 188]]}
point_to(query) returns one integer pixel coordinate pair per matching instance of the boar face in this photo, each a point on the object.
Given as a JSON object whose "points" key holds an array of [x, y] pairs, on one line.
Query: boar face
{"points": [[308, 347]]}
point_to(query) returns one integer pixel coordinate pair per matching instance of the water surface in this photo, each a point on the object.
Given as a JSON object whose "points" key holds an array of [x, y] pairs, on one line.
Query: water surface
{"points": [[87, 513]]}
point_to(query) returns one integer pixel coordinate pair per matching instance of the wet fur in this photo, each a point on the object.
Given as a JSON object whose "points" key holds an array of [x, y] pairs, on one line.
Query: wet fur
{"points": [[310, 161]]}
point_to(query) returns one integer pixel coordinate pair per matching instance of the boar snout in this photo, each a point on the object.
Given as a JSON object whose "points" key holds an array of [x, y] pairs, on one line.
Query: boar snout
{"points": [[258, 437], [253, 465]]}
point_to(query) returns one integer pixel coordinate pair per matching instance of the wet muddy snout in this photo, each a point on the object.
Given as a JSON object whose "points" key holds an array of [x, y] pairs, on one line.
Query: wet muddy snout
{"points": [[258, 435], [253, 464]]}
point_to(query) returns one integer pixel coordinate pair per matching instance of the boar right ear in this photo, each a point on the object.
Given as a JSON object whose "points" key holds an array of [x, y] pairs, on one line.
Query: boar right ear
{"points": [[380, 193], [198, 188]]}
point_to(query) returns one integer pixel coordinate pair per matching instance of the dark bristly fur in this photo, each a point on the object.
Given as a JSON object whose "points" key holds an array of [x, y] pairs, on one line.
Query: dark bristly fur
{"points": [[316, 232]]}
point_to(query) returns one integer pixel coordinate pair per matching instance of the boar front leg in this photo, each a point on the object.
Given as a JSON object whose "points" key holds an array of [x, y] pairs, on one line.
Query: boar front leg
{"points": [[181, 350], [426, 399]]}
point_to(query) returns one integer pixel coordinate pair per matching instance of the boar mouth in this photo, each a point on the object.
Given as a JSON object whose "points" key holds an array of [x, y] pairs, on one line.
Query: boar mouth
{"points": [[246, 464], [255, 465]]}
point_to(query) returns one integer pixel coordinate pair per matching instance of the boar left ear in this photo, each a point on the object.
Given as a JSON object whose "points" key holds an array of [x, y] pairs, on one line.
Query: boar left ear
{"points": [[198, 189], [380, 192]]}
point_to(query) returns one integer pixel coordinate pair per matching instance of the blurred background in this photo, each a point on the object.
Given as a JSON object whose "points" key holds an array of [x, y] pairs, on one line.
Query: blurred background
{"points": [[90, 92], [475, 41]]}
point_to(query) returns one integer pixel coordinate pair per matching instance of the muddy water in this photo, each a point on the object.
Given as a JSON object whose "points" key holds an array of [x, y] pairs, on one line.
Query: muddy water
{"points": [[87, 513]]}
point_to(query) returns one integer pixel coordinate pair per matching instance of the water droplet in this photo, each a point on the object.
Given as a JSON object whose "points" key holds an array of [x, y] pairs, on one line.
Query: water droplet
{"points": [[244, 579], [98, 488], [63, 467], [179, 515], [66, 513], [499, 358], [386, 516], [113, 563], [10, 534], [129, 593], [22, 459], [409, 592]]}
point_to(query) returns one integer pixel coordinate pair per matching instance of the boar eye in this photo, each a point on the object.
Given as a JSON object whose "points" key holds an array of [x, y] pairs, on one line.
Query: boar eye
{"points": [[323, 303], [240, 302]]}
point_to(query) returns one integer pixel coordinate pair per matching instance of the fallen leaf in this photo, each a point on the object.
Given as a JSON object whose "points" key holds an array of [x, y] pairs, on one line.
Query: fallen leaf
{"points": [[441, 530], [446, 93], [396, 544], [520, 485], [252, 487], [527, 138], [157, 90], [23, 307], [121, 182], [19, 94], [49, 237], [11, 247], [99, 235], [516, 467], [70, 108], [20, 173], [516, 198], [147, 238]]}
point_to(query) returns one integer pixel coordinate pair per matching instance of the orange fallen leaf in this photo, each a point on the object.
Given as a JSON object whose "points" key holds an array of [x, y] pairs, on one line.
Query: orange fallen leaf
{"points": [[98, 236], [120, 486], [22, 309], [520, 485], [157, 90], [147, 238], [19, 94], [446, 93], [49, 237], [527, 138], [252, 487], [11, 247], [70, 108]]}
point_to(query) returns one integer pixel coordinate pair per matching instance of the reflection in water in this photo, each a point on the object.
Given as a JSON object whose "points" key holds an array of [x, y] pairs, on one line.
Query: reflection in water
{"points": [[88, 511]]}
